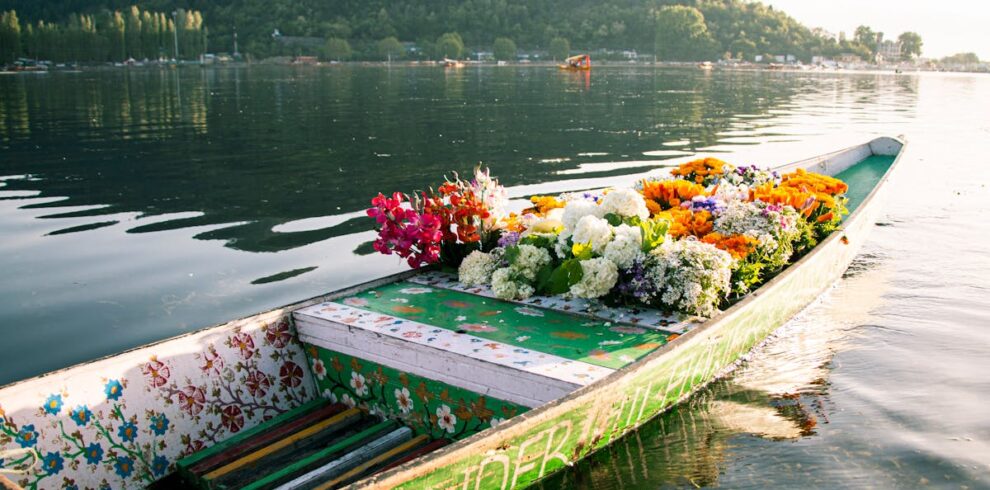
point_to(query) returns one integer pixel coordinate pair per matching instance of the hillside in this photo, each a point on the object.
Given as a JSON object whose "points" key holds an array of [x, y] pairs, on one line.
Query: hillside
{"points": [[733, 26]]}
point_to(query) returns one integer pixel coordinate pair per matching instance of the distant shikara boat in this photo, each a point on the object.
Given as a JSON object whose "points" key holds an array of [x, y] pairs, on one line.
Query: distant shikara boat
{"points": [[409, 381]]}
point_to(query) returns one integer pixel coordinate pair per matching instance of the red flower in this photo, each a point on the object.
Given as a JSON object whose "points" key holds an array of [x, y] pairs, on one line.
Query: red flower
{"points": [[244, 343], [257, 383], [212, 362], [157, 372], [191, 399], [193, 446], [278, 334], [232, 418], [290, 374]]}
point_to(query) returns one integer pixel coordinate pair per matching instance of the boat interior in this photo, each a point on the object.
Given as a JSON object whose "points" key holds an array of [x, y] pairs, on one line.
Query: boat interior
{"points": [[361, 381]]}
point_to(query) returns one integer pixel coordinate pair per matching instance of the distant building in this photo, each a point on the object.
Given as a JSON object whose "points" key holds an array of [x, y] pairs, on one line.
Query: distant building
{"points": [[300, 41], [849, 59], [888, 51]]}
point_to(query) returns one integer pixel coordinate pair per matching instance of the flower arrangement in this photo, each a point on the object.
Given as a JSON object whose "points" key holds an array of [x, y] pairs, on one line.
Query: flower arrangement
{"points": [[690, 242]]}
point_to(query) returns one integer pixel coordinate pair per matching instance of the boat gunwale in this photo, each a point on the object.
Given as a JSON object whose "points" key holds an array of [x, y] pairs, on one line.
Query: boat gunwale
{"points": [[722, 317]]}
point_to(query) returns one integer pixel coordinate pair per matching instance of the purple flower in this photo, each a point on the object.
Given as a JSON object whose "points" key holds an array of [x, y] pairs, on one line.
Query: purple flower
{"points": [[508, 239]]}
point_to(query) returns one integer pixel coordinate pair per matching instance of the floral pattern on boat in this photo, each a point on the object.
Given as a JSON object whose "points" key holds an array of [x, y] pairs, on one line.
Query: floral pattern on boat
{"points": [[122, 422], [427, 406]]}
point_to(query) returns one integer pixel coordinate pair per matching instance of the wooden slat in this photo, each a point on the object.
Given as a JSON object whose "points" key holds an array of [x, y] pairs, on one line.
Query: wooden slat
{"points": [[315, 458], [222, 446], [381, 458], [429, 448], [274, 433], [341, 418], [351, 460]]}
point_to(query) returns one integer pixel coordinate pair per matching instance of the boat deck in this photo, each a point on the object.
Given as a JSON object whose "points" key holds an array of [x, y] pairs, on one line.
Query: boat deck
{"points": [[527, 354]]}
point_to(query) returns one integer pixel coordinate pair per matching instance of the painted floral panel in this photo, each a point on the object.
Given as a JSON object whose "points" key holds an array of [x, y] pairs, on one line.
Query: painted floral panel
{"points": [[122, 422], [425, 405]]}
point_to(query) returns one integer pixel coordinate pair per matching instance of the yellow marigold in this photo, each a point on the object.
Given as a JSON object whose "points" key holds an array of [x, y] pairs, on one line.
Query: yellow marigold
{"points": [[667, 194], [738, 246], [542, 204]]}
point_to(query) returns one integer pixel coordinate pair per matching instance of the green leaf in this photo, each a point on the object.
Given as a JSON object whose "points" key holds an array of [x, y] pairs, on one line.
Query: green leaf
{"points": [[566, 275], [613, 219], [511, 254], [543, 277], [653, 232], [582, 251]]}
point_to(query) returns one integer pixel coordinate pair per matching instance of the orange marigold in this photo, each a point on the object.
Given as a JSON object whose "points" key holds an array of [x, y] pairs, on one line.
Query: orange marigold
{"points": [[700, 170], [684, 222], [666, 194], [814, 182], [738, 246]]}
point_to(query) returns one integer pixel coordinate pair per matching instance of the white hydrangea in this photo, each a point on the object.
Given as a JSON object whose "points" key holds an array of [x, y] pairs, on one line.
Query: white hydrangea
{"points": [[774, 228], [599, 277], [729, 192], [626, 203], [505, 287], [530, 260], [476, 269], [692, 276], [577, 209], [562, 247], [594, 230], [625, 247]]}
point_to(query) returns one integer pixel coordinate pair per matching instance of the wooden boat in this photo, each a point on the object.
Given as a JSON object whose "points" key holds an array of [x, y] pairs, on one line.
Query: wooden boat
{"points": [[581, 62], [409, 381]]}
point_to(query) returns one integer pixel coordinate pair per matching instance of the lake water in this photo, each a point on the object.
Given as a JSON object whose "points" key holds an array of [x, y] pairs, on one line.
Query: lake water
{"points": [[136, 205]]}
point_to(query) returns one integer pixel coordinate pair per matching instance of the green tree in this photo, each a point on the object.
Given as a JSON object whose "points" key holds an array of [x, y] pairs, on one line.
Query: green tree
{"points": [[961, 59], [681, 34], [450, 45], [390, 48], [560, 48], [10, 36], [910, 44], [504, 49], [337, 49], [132, 34], [867, 37], [743, 48]]}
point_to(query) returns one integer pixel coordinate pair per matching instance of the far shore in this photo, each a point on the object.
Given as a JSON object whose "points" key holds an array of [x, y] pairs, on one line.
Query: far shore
{"points": [[285, 61]]}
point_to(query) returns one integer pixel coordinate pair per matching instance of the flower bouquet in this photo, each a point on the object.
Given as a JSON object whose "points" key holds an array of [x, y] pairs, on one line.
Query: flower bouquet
{"points": [[690, 242]]}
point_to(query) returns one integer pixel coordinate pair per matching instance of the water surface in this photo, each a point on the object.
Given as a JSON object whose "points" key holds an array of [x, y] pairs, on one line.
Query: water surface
{"points": [[136, 205]]}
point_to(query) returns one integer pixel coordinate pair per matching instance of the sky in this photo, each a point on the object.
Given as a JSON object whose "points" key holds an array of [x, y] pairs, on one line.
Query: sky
{"points": [[946, 26]]}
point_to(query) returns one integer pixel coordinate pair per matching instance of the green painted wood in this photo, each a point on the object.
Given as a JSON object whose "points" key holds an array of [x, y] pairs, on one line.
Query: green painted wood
{"points": [[414, 400], [578, 338], [329, 451], [295, 447], [263, 439], [222, 446], [862, 176]]}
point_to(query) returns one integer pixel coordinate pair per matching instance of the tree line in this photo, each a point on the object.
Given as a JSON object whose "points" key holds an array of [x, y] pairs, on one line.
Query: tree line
{"points": [[107, 35], [677, 30]]}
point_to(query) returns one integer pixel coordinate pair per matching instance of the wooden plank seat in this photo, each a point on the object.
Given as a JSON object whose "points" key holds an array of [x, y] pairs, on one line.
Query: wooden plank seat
{"points": [[518, 353]]}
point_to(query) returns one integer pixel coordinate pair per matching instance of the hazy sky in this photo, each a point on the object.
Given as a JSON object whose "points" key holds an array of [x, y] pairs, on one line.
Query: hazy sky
{"points": [[946, 26]]}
